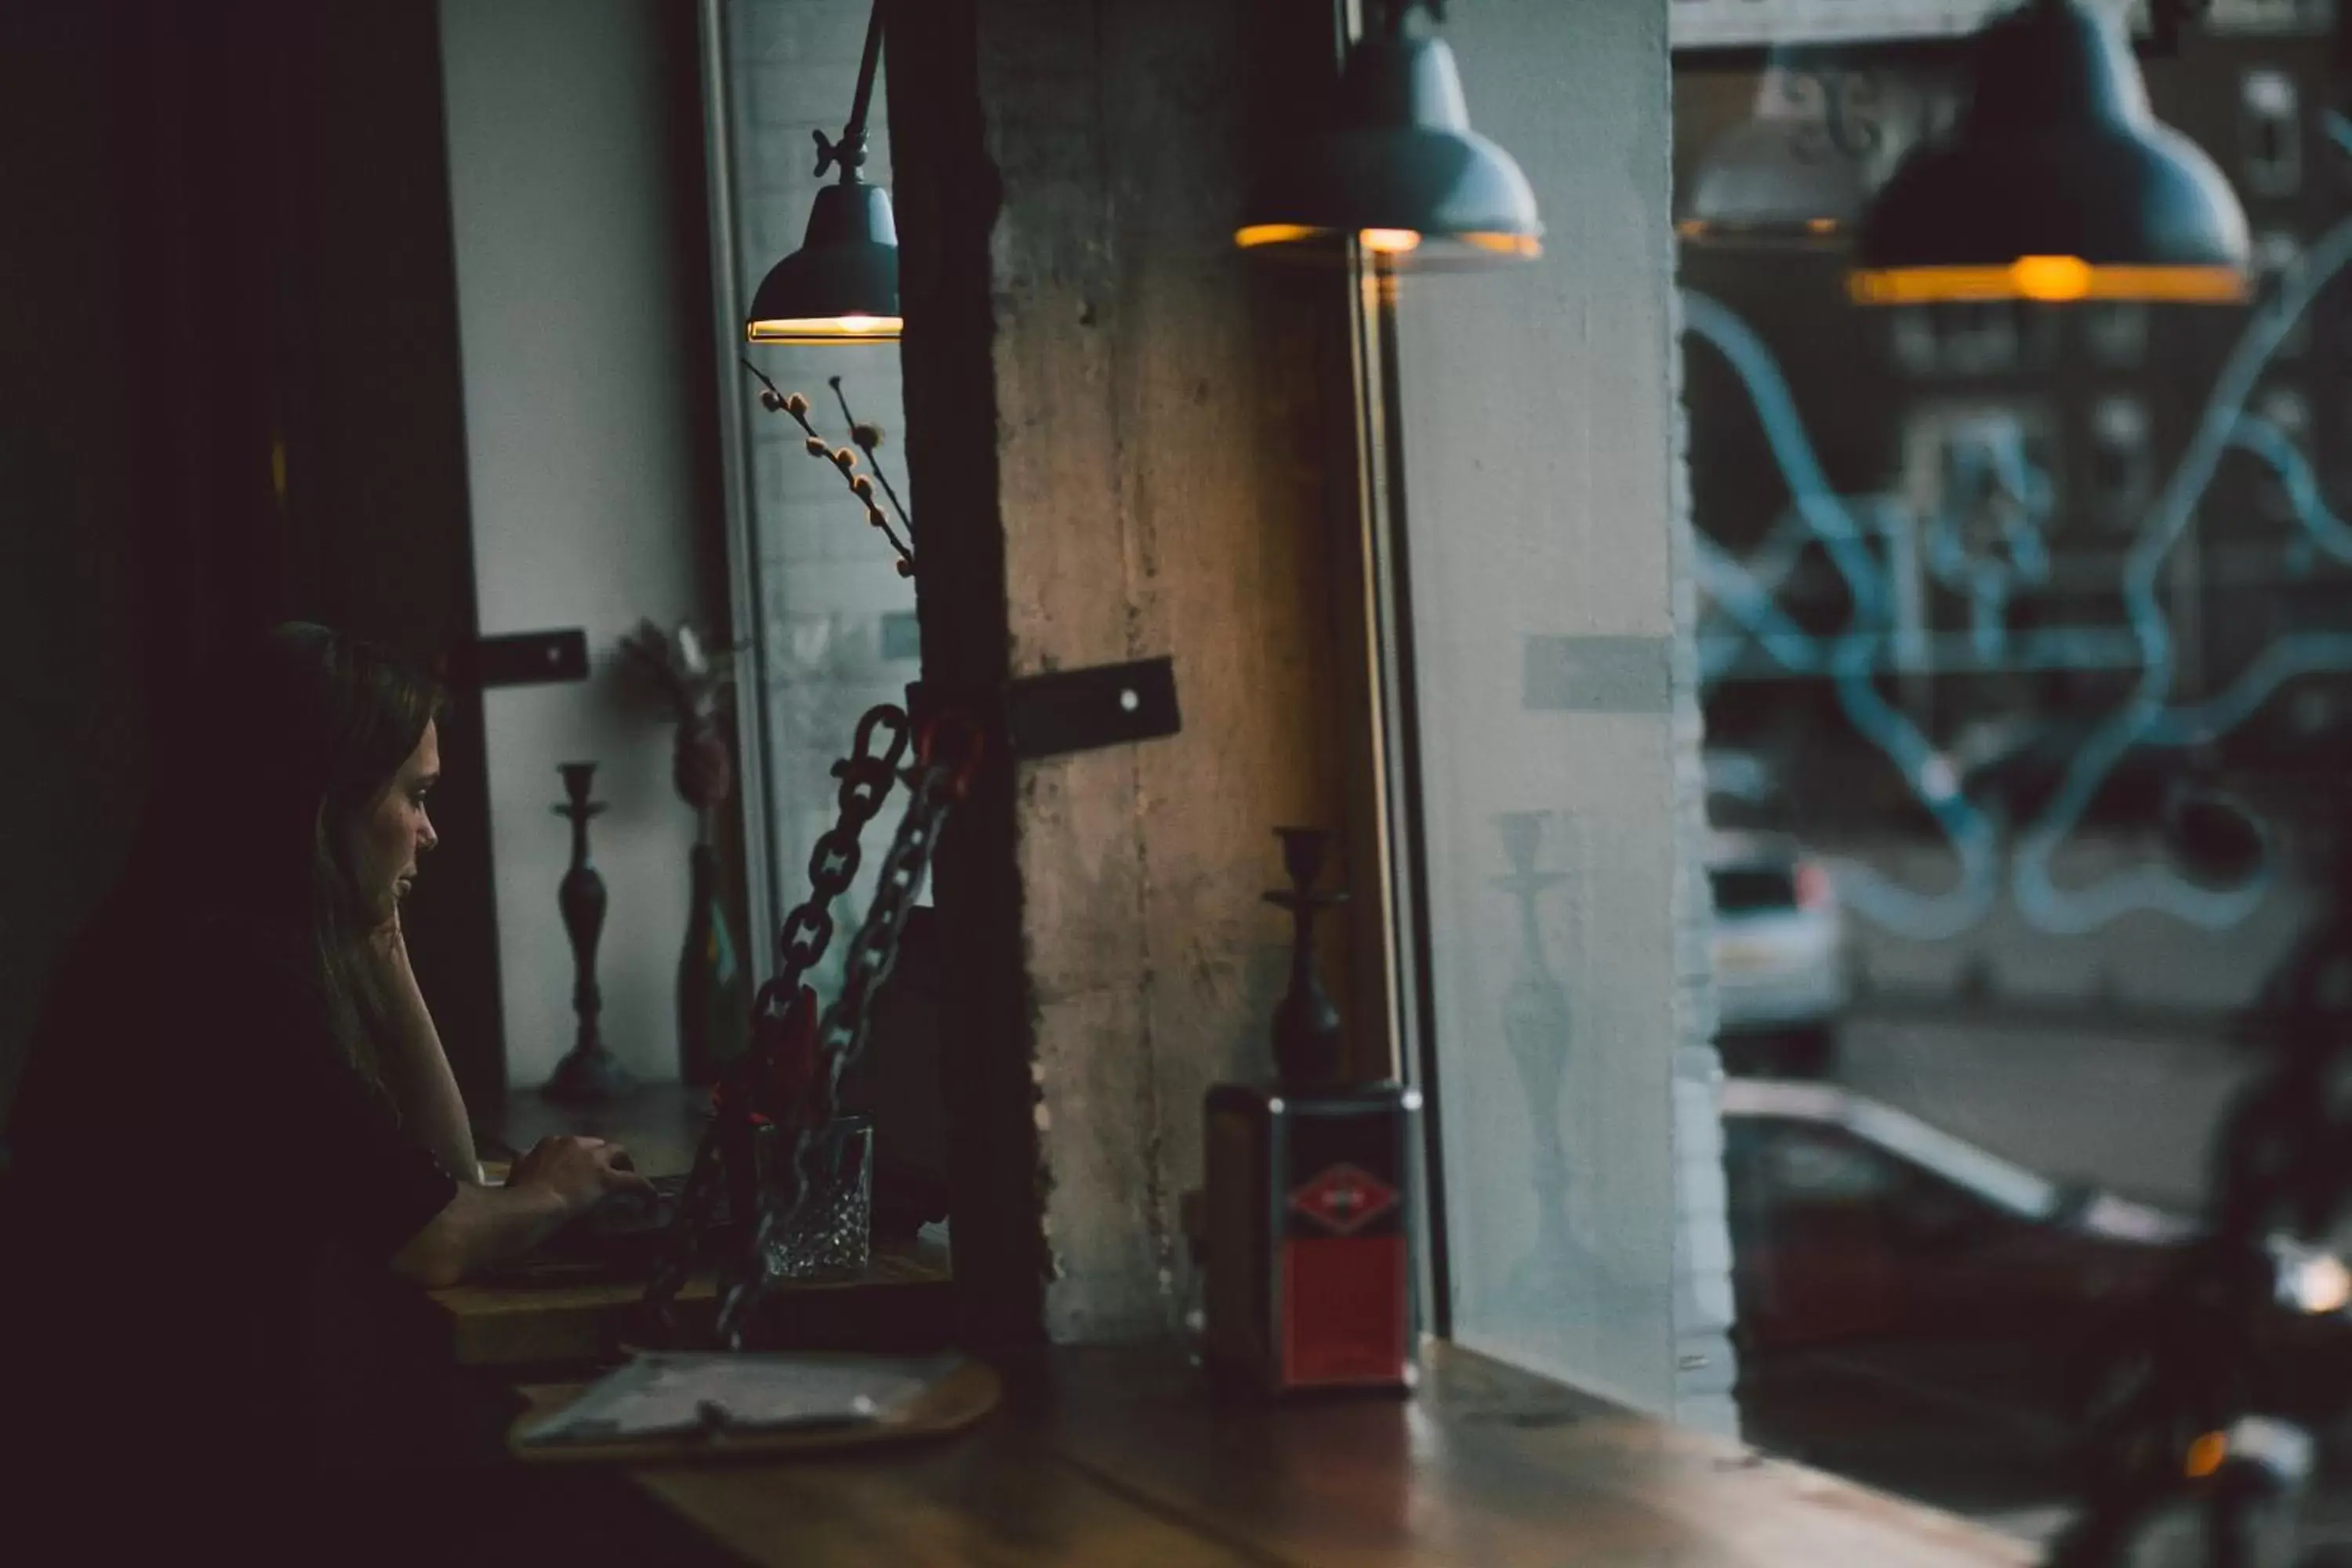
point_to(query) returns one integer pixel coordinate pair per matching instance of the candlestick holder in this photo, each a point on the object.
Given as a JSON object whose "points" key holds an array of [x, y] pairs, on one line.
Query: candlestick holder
{"points": [[590, 1074], [1305, 1024], [1307, 1248]]}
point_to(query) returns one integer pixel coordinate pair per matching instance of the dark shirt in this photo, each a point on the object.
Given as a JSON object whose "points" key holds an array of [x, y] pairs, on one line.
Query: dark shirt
{"points": [[190, 1151]]}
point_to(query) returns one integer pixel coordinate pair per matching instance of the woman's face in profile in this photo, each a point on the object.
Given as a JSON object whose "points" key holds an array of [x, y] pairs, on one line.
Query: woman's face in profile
{"points": [[392, 831]]}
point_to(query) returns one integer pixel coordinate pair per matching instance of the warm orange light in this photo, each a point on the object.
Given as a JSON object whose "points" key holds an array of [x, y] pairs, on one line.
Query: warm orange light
{"points": [[825, 330], [2319, 1285], [1504, 244], [1385, 241], [2205, 1456], [2048, 278], [1275, 234], [1822, 225], [2051, 277]]}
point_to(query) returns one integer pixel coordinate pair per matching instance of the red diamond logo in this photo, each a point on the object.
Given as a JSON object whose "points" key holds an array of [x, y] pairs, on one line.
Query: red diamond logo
{"points": [[1343, 1199]]}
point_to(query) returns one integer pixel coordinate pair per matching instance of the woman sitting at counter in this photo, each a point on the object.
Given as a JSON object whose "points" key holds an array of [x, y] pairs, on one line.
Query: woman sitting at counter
{"points": [[237, 1078]]}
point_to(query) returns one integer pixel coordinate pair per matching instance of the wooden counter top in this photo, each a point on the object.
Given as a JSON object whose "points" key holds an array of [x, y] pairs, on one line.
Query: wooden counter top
{"points": [[1103, 1456]]}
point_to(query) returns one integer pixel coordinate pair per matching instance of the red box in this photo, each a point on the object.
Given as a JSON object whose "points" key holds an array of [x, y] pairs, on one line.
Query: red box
{"points": [[1311, 1251]]}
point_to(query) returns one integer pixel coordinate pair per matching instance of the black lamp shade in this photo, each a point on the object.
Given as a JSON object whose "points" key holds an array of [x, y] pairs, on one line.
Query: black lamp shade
{"points": [[1758, 183], [1800, 169], [1401, 169], [842, 285], [2057, 183]]}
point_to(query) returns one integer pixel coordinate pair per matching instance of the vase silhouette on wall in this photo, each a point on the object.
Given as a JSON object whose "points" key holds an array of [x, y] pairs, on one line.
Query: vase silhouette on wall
{"points": [[1536, 1029]]}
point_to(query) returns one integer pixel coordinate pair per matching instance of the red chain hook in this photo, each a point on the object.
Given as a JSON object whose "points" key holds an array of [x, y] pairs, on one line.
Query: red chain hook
{"points": [[964, 745]]}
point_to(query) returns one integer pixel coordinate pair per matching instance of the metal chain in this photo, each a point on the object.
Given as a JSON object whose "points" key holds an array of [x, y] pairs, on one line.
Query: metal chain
{"points": [[724, 1149], [2200, 1406], [864, 776], [936, 785]]}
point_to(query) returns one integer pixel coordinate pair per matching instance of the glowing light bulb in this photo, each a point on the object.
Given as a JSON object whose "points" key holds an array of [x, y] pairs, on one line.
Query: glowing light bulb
{"points": [[1274, 233], [1390, 241], [2051, 278], [2322, 1285]]}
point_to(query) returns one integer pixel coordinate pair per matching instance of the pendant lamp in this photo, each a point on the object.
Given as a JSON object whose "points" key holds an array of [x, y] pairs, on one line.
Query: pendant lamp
{"points": [[2056, 183], [1799, 170], [842, 285], [1399, 168]]}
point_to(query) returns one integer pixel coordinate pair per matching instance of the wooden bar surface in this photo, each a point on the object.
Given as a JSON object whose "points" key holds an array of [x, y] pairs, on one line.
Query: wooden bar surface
{"points": [[1125, 1457]]}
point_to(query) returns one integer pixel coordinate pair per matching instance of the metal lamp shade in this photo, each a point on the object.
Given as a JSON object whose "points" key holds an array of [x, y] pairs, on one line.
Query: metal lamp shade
{"points": [[842, 285], [1401, 170], [1760, 185], [2056, 184], [1788, 174]]}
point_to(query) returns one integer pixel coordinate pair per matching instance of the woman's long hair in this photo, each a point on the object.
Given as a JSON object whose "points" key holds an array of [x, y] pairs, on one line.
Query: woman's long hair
{"points": [[315, 724]]}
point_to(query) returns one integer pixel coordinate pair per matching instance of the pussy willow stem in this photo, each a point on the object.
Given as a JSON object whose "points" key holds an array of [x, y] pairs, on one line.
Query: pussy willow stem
{"points": [[778, 401], [867, 448]]}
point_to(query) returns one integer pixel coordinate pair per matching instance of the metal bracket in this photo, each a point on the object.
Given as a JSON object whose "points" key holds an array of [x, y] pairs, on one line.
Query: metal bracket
{"points": [[1083, 710]]}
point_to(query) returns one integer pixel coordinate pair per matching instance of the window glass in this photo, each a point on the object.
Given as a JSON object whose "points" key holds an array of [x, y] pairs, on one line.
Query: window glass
{"points": [[835, 620], [2038, 618], [1802, 1165]]}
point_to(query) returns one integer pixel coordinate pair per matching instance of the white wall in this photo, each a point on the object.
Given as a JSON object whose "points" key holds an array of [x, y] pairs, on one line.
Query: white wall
{"points": [[1544, 504], [575, 312]]}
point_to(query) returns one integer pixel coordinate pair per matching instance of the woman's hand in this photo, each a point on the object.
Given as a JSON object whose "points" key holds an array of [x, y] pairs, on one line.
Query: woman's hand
{"points": [[578, 1171], [415, 1069], [387, 950], [482, 1228]]}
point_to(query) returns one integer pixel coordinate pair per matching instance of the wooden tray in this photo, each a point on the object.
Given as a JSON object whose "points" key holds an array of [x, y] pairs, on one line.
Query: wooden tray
{"points": [[950, 1404]]}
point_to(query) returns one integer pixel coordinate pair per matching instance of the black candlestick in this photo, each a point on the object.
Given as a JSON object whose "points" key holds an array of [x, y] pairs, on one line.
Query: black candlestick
{"points": [[1305, 1024], [590, 1073]]}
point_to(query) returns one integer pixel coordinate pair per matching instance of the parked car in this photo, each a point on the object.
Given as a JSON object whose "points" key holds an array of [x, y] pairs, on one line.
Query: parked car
{"points": [[1859, 1229], [1780, 966]]}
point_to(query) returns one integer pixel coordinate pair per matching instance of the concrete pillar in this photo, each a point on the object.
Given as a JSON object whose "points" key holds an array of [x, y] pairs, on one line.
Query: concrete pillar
{"points": [[1118, 439]]}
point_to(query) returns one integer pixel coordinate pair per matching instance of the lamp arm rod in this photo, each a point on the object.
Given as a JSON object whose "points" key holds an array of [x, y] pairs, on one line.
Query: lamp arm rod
{"points": [[853, 132], [849, 151]]}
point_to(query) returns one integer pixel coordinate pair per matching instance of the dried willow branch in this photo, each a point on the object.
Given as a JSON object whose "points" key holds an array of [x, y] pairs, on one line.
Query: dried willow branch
{"points": [[842, 459], [868, 438]]}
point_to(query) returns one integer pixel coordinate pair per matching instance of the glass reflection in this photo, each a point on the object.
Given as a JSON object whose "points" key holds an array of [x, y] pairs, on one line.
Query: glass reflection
{"points": [[2030, 626]]}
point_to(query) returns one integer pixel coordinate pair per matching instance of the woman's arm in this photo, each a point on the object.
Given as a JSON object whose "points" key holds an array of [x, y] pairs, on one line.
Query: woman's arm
{"points": [[482, 1227], [415, 1069]]}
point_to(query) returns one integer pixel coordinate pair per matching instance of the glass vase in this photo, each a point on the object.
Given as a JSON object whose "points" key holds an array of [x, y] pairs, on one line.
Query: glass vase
{"points": [[832, 1234]]}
